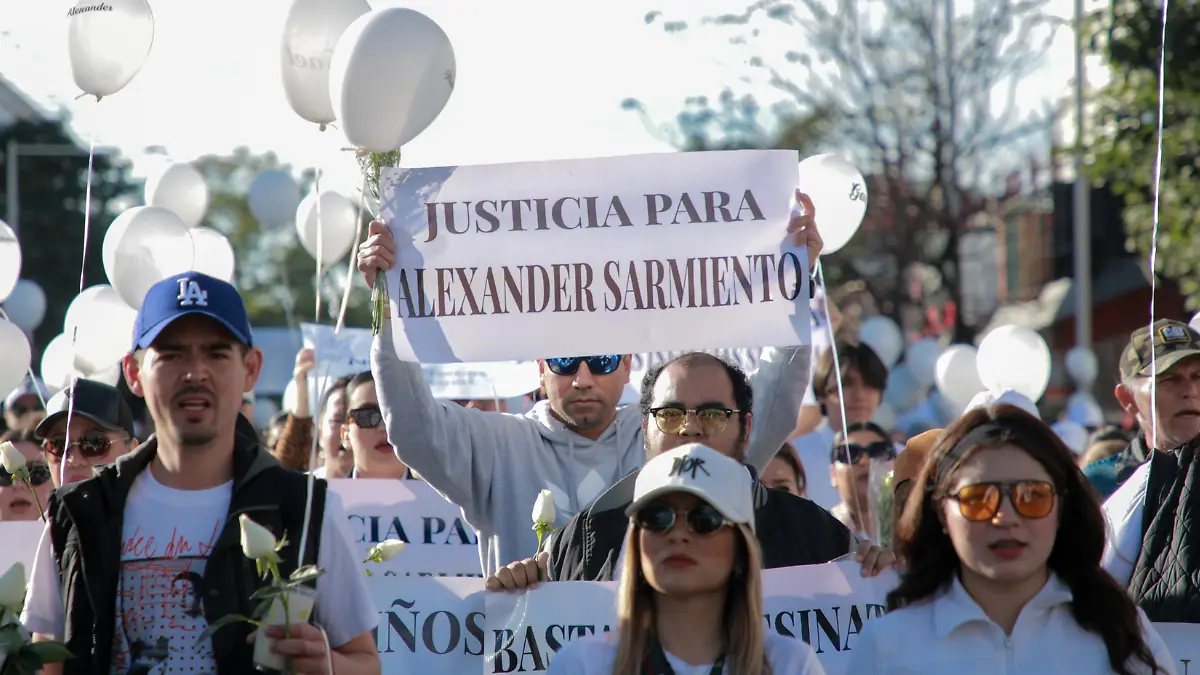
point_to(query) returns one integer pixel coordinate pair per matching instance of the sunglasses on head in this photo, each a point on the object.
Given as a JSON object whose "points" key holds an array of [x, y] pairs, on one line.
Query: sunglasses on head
{"points": [[981, 501], [39, 473], [853, 452], [672, 419], [367, 417], [597, 365], [660, 518], [90, 447]]}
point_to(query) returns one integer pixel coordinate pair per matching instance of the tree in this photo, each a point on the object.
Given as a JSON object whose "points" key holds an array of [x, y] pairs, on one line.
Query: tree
{"points": [[275, 275], [1125, 145], [912, 98], [52, 192]]}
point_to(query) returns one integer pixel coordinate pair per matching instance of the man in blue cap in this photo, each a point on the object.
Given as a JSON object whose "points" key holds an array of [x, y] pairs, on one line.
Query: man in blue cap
{"points": [[169, 508]]}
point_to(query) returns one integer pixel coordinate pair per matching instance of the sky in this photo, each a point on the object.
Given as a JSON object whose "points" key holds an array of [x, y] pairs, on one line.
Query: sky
{"points": [[535, 79]]}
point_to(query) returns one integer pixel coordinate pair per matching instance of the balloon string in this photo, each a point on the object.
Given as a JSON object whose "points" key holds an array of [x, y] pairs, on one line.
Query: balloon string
{"points": [[312, 460], [32, 379], [837, 370], [1162, 78], [362, 207], [320, 242], [87, 227]]}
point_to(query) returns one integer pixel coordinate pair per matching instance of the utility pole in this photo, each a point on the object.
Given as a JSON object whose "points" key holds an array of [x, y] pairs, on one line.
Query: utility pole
{"points": [[1081, 203]]}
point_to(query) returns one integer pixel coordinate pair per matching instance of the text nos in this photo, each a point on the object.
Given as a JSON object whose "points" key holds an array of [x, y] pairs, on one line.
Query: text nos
{"points": [[827, 629], [572, 213], [616, 286], [434, 530]]}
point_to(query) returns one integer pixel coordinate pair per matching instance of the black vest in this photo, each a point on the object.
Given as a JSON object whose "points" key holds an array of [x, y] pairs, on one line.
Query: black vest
{"points": [[86, 521], [1166, 578]]}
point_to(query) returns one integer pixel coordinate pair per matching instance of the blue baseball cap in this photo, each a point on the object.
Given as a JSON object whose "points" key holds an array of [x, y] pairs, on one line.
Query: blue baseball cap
{"points": [[187, 294]]}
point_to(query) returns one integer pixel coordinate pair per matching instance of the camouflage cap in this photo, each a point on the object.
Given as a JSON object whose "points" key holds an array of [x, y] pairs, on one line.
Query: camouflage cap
{"points": [[1160, 346]]}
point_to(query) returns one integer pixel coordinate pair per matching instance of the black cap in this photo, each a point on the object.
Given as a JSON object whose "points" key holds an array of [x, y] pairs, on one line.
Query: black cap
{"points": [[95, 401]]}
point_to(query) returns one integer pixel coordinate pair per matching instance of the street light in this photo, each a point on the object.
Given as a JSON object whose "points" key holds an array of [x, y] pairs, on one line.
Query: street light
{"points": [[15, 150]]}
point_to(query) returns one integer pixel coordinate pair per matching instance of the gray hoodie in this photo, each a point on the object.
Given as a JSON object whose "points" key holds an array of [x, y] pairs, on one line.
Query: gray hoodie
{"points": [[493, 465]]}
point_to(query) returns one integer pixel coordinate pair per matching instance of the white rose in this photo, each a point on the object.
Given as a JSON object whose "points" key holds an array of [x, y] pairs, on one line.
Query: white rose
{"points": [[12, 589], [543, 509], [10, 458], [257, 541], [386, 550]]}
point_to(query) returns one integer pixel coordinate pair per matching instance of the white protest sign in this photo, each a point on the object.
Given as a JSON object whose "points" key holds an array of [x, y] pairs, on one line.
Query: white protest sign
{"points": [[430, 626], [21, 540], [597, 256], [824, 605], [349, 353], [1183, 641], [440, 542]]}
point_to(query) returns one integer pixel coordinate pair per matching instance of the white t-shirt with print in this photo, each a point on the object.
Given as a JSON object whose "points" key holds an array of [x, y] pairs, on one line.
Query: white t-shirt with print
{"points": [[594, 655], [167, 535]]}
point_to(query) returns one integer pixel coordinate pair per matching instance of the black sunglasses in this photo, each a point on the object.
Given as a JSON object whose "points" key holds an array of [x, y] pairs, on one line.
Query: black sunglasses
{"points": [[39, 473], [597, 365], [90, 447], [367, 417], [660, 518], [853, 452]]}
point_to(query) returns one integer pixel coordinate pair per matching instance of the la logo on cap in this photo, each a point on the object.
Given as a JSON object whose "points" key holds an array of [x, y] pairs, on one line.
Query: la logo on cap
{"points": [[687, 465], [1170, 334], [191, 295]]}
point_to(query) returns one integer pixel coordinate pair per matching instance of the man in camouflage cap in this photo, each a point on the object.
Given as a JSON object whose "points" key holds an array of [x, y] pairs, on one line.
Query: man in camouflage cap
{"points": [[1165, 355]]}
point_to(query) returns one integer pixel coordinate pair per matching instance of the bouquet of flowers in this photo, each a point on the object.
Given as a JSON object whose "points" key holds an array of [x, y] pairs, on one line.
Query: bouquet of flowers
{"points": [[18, 655]]}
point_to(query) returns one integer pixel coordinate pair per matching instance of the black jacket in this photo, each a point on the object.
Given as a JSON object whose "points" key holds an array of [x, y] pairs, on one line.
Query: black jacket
{"points": [[1164, 582], [86, 521], [791, 531]]}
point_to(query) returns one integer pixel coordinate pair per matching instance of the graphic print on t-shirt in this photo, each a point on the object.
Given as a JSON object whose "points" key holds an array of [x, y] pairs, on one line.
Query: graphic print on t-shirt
{"points": [[167, 537]]}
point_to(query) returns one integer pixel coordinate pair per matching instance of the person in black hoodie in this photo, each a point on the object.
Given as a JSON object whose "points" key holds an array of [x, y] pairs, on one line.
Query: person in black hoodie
{"points": [[694, 398]]}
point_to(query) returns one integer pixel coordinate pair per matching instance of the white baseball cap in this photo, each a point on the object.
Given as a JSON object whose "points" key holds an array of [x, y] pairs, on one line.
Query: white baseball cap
{"points": [[697, 469]]}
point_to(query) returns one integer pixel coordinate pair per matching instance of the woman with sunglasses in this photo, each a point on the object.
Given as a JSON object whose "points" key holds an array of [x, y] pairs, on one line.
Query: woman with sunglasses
{"points": [[850, 472], [16, 501], [1002, 538], [690, 595]]}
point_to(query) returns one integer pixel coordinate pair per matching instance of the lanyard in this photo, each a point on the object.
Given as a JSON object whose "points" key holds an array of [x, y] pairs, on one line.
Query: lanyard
{"points": [[655, 661]]}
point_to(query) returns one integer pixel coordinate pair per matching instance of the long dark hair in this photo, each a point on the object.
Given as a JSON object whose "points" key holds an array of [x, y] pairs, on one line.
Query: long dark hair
{"points": [[1099, 604]]}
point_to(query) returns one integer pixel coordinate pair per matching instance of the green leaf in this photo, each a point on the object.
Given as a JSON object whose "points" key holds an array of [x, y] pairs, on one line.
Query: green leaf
{"points": [[304, 574], [261, 609], [265, 592], [49, 652], [222, 622]]}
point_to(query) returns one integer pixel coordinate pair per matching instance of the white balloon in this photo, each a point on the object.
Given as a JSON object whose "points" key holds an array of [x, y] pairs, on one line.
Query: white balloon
{"points": [[26, 305], [143, 246], [1084, 409], [883, 336], [958, 376], [885, 417], [1012, 357], [903, 391], [10, 260], [213, 253], [14, 355], [110, 376], [57, 367], [392, 73], [922, 359], [1082, 366], [180, 188], [839, 194], [1072, 434], [273, 198], [108, 43], [105, 325], [310, 33], [339, 225]]}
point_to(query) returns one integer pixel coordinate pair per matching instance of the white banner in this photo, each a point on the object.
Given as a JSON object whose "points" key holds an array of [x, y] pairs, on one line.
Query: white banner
{"points": [[349, 353], [440, 542], [20, 543], [621, 254]]}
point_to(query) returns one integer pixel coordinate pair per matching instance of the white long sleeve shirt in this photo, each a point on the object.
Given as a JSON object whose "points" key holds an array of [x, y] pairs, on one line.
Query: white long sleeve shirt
{"points": [[951, 635]]}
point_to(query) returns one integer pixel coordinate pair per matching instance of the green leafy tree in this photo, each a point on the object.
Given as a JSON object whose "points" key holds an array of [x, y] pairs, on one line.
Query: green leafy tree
{"points": [[51, 201], [916, 112], [1125, 144], [275, 274]]}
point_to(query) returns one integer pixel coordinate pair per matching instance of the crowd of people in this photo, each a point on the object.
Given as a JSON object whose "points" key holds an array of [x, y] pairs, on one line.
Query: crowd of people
{"points": [[1016, 553]]}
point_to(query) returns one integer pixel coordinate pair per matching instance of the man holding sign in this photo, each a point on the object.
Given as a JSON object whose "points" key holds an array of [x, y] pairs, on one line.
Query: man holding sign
{"points": [[576, 444]]}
